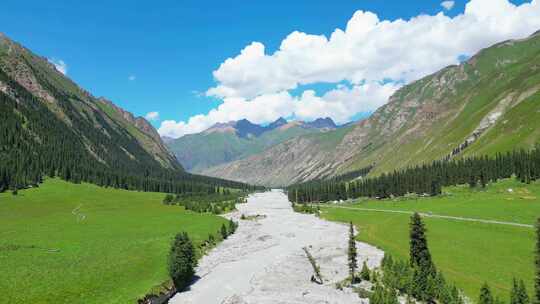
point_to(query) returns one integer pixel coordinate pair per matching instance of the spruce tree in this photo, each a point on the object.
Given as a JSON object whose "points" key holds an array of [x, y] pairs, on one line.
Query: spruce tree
{"points": [[232, 226], [352, 254], [523, 295], [514, 298], [485, 295], [435, 188], [419, 251], [420, 260], [364, 273], [182, 261], [519, 294], [223, 231]]}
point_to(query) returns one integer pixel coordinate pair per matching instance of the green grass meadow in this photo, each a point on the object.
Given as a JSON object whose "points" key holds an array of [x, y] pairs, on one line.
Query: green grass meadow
{"points": [[79, 243], [468, 253]]}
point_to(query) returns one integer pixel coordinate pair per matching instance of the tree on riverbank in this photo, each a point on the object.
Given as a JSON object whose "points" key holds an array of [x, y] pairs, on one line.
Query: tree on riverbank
{"points": [[224, 232], [232, 226], [352, 254], [364, 273], [182, 261]]}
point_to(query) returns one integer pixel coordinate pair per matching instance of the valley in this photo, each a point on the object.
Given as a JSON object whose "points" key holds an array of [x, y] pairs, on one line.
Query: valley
{"points": [[263, 262], [389, 158]]}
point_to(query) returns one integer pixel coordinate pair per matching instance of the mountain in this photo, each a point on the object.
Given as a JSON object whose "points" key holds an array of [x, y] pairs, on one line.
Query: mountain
{"points": [[488, 104], [278, 123], [322, 123], [50, 126], [226, 142]]}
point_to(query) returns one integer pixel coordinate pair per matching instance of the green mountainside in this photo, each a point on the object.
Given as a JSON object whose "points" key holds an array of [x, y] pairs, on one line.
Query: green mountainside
{"points": [[488, 104], [50, 126], [224, 143]]}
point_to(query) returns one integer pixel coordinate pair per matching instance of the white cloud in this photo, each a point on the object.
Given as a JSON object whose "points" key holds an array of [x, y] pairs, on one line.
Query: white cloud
{"points": [[341, 104], [448, 5], [152, 116], [60, 65], [132, 77], [368, 51]]}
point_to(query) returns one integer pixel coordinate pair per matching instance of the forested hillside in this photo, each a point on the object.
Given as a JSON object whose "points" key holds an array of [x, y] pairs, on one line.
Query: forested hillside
{"points": [[487, 104], [50, 126]]}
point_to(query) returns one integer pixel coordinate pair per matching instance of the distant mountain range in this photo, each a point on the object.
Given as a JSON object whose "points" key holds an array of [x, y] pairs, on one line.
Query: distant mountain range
{"points": [[225, 142], [488, 104]]}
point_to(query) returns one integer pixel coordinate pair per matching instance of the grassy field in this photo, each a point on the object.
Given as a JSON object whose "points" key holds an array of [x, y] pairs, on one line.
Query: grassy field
{"points": [[468, 253], [67, 243]]}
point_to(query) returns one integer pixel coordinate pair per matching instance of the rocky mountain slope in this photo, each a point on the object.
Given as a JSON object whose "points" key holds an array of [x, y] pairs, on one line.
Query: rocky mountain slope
{"points": [[66, 100], [488, 104], [226, 142], [50, 126]]}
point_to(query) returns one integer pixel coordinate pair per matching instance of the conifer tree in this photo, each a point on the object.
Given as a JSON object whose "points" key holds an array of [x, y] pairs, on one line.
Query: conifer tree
{"points": [[472, 180], [352, 254], [365, 273], [182, 261], [485, 295], [523, 296], [519, 295], [211, 239], [420, 260], [435, 188], [483, 179], [232, 226], [419, 251], [224, 232]]}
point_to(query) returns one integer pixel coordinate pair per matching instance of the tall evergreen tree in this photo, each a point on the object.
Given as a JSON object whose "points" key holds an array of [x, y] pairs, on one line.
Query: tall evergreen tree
{"points": [[182, 261], [224, 232], [420, 259], [232, 226], [519, 295], [352, 254], [419, 252], [365, 273], [485, 295]]}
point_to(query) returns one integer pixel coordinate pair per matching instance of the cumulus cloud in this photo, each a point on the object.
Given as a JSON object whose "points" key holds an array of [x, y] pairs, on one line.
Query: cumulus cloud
{"points": [[60, 65], [366, 53], [152, 116], [448, 5], [340, 104], [132, 77]]}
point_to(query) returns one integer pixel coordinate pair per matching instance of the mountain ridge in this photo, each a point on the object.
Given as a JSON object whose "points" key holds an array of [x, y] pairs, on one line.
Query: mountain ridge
{"points": [[225, 142], [423, 121], [52, 127]]}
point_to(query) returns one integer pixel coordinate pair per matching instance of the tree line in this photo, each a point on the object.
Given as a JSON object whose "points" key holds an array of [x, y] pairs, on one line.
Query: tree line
{"points": [[216, 203], [426, 179], [36, 142]]}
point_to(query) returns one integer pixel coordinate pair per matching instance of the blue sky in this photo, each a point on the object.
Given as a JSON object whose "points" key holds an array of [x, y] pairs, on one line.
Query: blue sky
{"points": [[171, 47]]}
